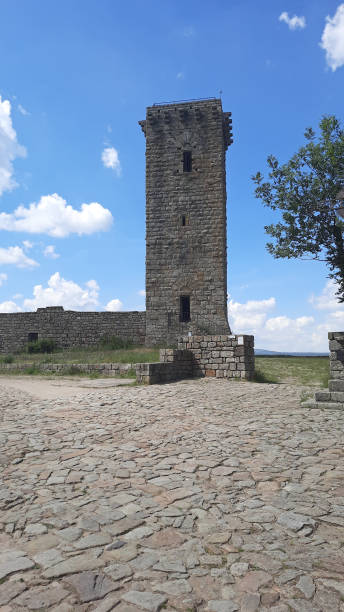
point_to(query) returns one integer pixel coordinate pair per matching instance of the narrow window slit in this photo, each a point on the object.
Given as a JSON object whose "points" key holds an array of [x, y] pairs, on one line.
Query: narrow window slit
{"points": [[184, 312], [187, 161]]}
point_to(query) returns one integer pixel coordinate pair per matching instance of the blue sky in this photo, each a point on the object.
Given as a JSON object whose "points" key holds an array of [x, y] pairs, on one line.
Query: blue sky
{"points": [[76, 77]]}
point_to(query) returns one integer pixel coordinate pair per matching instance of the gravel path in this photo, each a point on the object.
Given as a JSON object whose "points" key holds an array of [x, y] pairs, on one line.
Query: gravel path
{"points": [[200, 495]]}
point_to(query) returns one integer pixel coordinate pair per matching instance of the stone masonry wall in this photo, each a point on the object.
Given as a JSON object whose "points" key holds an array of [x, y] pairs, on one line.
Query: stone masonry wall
{"points": [[186, 250], [219, 356], [176, 365], [334, 397], [69, 328], [103, 369]]}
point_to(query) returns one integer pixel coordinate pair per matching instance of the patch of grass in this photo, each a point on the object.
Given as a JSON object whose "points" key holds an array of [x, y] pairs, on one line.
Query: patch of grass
{"points": [[128, 374], [263, 377], [96, 354], [113, 343], [305, 396], [33, 370], [7, 359], [46, 345], [72, 371], [308, 371]]}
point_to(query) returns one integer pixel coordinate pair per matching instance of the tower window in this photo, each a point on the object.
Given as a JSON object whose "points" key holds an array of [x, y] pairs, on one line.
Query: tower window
{"points": [[187, 161], [183, 220], [184, 311], [32, 337]]}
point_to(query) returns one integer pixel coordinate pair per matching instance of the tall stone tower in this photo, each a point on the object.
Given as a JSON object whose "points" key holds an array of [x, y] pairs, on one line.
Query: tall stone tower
{"points": [[186, 253]]}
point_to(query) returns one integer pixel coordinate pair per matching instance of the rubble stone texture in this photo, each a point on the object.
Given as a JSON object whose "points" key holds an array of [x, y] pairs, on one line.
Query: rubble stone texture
{"points": [[186, 250], [202, 495], [69, 328]]}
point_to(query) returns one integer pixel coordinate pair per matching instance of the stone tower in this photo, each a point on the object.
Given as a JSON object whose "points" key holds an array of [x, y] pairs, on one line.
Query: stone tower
{"points": [[186, 252]]}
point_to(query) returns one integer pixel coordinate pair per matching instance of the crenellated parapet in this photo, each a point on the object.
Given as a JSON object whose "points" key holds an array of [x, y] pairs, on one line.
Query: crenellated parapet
{"points": [[190, 115]]}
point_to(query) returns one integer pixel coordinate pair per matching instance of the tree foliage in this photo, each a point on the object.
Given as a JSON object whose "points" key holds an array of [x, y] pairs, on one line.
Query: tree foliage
{"points": [[306, 190]]}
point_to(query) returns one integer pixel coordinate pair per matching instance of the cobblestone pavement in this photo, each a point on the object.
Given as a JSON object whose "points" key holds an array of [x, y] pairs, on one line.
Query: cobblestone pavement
{"points": [[200, 495]]}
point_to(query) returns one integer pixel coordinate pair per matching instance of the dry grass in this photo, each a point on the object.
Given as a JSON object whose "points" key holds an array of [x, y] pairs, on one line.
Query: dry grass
{"points": [[90, 355], [312, 371]]}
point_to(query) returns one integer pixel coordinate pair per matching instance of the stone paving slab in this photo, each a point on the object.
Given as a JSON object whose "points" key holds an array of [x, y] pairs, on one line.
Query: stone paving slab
{"points": [[202, 495]]}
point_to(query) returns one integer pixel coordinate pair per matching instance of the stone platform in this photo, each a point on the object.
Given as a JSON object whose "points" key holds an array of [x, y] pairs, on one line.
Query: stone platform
{"points": [[202, 495]]}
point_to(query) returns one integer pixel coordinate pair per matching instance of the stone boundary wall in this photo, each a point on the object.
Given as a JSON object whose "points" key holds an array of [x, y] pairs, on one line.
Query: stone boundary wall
{"points": [[334, 397], [104, 369], [69, 328], [217, 356]]}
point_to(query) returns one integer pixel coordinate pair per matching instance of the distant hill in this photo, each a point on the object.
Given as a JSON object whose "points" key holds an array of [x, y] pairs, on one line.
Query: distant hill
{"points": [[287, 353]]}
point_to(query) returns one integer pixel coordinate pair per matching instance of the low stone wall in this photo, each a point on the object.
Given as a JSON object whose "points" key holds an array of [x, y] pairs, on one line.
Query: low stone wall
{"points": [[334, 397], [69, 328], [176, 365], [103, 369], [221, 356], [218, 356]]}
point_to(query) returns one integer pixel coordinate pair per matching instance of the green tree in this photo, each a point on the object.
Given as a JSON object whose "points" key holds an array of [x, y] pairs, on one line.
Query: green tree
{"points": [[306, 189]]}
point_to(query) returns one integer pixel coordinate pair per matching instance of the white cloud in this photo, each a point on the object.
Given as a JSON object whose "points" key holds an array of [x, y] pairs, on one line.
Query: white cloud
{"points": [[114, 305], [66, 293], [293, 22], [16, 256], [49, 251], [27, 244], [142, 292], [284, 323], [10, 149], [9, 307], [332, 40], [3, 278], [274, 333], [23, 110], [110, 159], [17, 296], [54, 217], [327, 300], [283, 333], [251, 315]]}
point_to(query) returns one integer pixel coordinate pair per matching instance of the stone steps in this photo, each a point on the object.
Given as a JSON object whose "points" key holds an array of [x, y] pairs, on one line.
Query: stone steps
{"points": [[323, 405], [329, 396]]}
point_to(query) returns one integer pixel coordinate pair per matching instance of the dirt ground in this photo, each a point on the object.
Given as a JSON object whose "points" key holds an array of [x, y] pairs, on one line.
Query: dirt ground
{"points": [[43, 387]]}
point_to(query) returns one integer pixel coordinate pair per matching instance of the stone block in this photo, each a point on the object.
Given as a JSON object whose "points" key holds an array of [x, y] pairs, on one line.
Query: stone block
{"points": [[336, 365], [323, 396], [337, 396], [334, 345], [336, 336], [336, 385]]}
